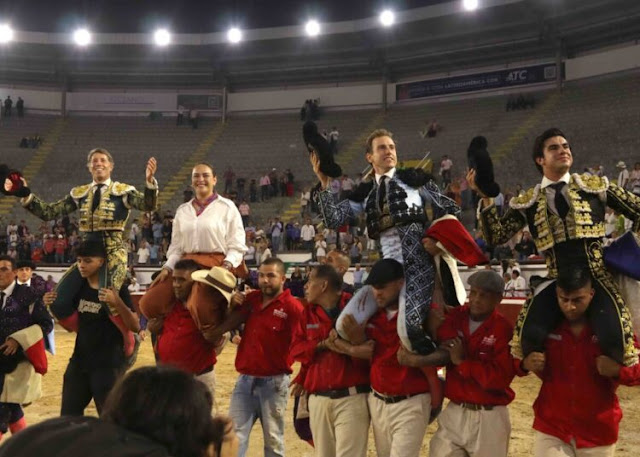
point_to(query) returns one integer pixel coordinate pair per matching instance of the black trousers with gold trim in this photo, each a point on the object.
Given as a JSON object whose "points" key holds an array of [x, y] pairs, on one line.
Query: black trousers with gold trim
{"points": [[607, 315]]}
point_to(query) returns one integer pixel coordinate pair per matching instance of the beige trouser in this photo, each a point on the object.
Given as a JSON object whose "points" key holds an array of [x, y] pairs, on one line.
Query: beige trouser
{"points": [[339, 427], [463, 432], [549, 446], [399, 428], [209, 380]]}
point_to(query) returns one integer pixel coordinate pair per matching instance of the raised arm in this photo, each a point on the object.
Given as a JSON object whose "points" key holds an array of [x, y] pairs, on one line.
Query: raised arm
{"points": [[625, 203]]}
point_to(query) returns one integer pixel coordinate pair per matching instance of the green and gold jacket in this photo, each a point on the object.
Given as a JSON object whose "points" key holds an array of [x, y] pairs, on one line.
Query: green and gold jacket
{"points": [[112, 214], [578, 238]]}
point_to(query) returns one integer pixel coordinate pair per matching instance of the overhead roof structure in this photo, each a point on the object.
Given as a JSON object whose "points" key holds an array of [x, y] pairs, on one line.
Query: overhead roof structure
{"points": [[427, 37]]}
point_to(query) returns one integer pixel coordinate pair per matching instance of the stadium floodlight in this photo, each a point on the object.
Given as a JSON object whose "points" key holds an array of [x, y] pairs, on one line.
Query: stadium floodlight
{"points": [[82, 37], [387, 18], [312, 28], [470, 5], [162, 37], [6, 33], [234, 35]]}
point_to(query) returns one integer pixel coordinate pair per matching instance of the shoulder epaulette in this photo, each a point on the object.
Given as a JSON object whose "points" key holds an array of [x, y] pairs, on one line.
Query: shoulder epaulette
{"points": [[591, 183], [527, 199], [80, 191], [119, 188]]}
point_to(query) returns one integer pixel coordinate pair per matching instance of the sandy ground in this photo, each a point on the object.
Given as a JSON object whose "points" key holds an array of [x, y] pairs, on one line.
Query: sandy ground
{"points": [[521, 414]]}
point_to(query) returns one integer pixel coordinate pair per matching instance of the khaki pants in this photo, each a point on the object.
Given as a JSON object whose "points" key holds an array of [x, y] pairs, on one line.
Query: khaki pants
{"points": [[399, 428], [549, 446], [463, 432], [340, 427], [209, 380]]}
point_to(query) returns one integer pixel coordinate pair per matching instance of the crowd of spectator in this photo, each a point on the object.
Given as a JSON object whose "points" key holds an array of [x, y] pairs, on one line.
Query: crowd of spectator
{"points": [[8, 107], [520, 102]]}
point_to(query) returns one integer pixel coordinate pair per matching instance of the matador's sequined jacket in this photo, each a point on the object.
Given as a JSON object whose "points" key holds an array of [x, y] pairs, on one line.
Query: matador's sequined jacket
{"points": [[575, 241], [106, 223]]}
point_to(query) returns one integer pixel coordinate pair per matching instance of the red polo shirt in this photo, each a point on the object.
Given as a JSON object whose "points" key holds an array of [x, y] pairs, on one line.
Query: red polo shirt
{"points": [[264, 348], [388, 377], [575, 402], [485, 375], [181, 344], [324, 370]]}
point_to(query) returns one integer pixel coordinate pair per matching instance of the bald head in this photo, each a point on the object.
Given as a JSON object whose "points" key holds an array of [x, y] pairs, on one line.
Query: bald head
{"points": [[339, 261]]}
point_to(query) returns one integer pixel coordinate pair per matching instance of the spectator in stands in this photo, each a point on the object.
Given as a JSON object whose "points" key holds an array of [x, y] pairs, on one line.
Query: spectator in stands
{"points": [[346, 186], [20, 107], [250, 255], [290, 181], [432, 129], [8, 103], [143, 253], [517, 286], [307, 235], [526, 247], [265, 185], [24, 142], [193, 118], [50, 283], [228, 179], [634, 179], [240, 185], [61, 249], [180, 117], [273, 180], [333, 140], [358, 275], [253, 191], [49, 248], [156, 229], [276, 235], [623, 175], [446, 164], [282, 185], [321, 248], [187, 194], [154, 253], [245, 212]]}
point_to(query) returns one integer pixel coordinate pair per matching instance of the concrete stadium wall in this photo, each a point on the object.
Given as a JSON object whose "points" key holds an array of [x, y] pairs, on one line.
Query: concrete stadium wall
{"points": [[366, 94], [599, 63], [33, 99]]}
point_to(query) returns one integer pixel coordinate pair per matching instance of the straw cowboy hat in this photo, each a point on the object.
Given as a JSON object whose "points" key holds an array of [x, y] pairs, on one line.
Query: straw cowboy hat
{"points": [[219, 278]]}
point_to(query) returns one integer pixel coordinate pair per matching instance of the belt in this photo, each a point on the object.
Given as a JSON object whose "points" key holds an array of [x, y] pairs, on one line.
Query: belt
{"points": [[342, 393], [394, 398], [474, 406], [209, 369]]}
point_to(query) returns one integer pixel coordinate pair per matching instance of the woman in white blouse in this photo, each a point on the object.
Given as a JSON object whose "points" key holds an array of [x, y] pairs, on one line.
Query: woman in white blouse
{"points": [[209, 230]]}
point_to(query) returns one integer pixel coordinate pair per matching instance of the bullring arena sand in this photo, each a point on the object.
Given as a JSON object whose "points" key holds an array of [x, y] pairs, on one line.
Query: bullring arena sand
{"points": [[521, 413]]}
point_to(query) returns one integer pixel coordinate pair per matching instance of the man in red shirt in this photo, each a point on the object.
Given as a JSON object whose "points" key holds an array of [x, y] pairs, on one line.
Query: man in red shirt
{"points": [[475, 347], [180, 343], [271, 315], [400, 403], [577, 411], [337, 383]]}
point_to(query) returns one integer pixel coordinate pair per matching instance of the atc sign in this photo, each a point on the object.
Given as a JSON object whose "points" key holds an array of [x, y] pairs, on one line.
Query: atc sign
{"points": [[480, 81]]}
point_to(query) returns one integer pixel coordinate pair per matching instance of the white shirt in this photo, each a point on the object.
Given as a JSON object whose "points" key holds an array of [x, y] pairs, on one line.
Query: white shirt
{"points": [[250, 254], [550, 192], [134, 287], [623, 178], [218, 229], [7, 292], [307, 232], [28, 283], [143, 255]]}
